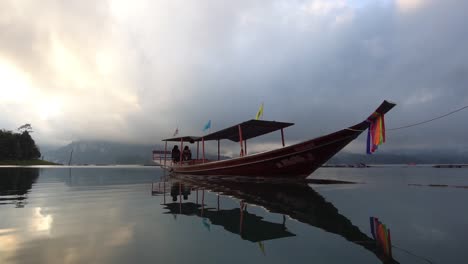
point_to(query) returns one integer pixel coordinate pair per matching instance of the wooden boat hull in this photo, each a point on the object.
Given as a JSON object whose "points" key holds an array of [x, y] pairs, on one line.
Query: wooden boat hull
{"points": [[298, 160], [295, 161]]}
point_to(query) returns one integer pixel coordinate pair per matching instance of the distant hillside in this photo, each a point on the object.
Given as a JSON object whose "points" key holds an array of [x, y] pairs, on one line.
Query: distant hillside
{"points": [[418, 157], [101, 152]]}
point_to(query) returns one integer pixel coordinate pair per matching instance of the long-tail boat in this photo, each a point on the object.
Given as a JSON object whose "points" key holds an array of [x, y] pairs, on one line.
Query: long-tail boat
{"points": [[298, 160]]}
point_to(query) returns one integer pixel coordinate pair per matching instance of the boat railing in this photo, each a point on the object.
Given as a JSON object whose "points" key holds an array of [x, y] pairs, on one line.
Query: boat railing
{"points": [[193, 162], [160, 156]]}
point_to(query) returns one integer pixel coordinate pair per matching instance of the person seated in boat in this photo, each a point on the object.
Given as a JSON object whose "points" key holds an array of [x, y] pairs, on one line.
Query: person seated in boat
{"points": [[186, 154], [175, 154]]}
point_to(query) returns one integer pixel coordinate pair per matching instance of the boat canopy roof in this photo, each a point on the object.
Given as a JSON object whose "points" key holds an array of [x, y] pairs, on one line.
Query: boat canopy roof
{"points": [[185, 139], [250, 129]]}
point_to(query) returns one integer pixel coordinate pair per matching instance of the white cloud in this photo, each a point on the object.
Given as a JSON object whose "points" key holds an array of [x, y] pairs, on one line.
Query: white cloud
{"points": [[324, 7], [409, 5], [134, 71]]}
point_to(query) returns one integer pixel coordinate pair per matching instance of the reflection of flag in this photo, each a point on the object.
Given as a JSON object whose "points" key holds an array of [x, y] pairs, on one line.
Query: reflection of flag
{"points": [[176, 132], [205, 223], [262, 247], [259, 112], [381, 235], [207, 126]]}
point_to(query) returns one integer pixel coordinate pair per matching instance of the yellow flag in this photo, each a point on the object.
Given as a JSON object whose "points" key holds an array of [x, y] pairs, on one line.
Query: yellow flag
{"points": [[262, 247], [259, 112]]}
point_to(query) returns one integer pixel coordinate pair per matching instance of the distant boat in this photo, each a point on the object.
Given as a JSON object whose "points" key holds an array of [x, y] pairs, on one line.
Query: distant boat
{"points": [[449, 166], [298, 160]]}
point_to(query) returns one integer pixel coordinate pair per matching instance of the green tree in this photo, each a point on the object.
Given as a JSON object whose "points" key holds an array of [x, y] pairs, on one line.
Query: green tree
{"points": [[25, 127], [18, 146]]}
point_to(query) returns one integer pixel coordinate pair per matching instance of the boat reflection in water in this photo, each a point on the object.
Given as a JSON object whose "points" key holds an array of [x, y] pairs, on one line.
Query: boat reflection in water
{"points": [[294, 199]]}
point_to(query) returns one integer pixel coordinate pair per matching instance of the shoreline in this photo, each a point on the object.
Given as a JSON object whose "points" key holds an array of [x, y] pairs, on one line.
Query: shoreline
{"points": [[27, 163]]}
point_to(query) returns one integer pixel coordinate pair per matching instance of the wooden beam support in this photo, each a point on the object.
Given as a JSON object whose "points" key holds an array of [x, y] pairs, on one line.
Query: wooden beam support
{"points": [[218, 151], [240, 141], [165, 151], [282, 137], [181, 150], [203, 148]]}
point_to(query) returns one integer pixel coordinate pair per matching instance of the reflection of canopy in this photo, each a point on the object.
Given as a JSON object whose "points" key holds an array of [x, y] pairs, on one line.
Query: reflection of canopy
{"points": [[296, 200], [250, 129], [254, 228]]}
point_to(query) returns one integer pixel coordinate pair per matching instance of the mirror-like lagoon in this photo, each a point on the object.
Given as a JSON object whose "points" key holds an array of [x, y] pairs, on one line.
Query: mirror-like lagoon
{"points": [[140, 215]]}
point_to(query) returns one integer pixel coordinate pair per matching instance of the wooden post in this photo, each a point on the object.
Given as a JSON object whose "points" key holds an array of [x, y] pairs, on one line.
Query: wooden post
{"points": [[164, 186], [180, 198], [203, 148], [218, 149], [282, 137], [245, 146], [241, 217], [240, 141], [218, 201], [203, 202], [181, 150]]}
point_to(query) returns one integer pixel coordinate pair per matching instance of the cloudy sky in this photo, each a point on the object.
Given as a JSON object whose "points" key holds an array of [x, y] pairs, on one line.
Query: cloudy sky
{"points": [[135, 70]]}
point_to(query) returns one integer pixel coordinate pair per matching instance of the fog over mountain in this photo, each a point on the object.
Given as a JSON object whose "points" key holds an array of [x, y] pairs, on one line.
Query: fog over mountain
{"points": [[134, 71], [103, 153]]}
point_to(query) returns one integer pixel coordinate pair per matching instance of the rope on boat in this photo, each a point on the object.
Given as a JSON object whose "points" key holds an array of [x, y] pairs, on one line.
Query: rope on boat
{"points": [[356, 130], [399, 248], [411, 253], [416, 124], [430, 120]]}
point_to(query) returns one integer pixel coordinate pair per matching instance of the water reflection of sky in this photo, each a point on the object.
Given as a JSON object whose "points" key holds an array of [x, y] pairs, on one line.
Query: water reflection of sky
{"points": [[109, 215]]}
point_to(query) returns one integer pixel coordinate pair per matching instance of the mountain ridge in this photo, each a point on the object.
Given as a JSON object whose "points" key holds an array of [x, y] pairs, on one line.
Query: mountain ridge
{"points": [[106, 152]]}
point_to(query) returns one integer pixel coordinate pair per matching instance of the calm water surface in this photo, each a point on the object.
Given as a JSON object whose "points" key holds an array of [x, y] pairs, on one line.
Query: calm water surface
{"points": [[137, 215]]}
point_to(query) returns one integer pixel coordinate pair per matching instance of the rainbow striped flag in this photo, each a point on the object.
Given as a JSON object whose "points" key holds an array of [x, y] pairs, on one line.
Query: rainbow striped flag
{"points": [[376, 132]]}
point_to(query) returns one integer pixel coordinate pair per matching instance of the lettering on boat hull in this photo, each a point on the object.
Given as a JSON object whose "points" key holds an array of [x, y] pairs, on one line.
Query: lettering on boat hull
{"points": [[304, 146], [293, 160]]}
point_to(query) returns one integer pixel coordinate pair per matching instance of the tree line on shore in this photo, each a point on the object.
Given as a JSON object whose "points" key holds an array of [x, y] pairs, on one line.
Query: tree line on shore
{"points": [[18, 145]]}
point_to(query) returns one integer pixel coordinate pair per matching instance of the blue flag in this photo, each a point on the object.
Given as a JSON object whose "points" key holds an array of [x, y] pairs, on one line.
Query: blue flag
{"points": [[207, 126], [206, 224]]}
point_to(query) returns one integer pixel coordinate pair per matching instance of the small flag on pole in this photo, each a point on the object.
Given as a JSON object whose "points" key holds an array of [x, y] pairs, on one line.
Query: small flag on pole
{"points": [[176, 132], [207, 126], [206, 224], [262, 247], [259, 112]]}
